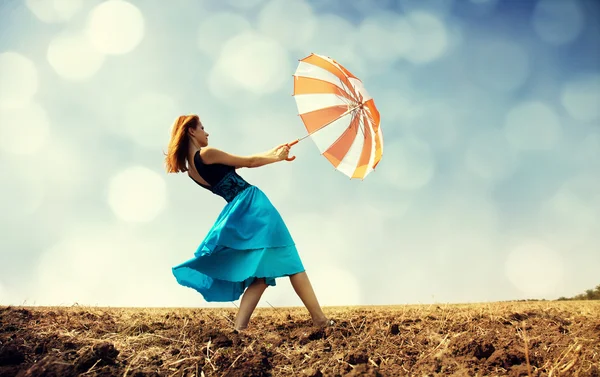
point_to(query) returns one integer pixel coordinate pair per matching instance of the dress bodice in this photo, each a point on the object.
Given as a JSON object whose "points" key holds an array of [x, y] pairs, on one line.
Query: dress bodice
{"points": [[223, 179], [230, 186]]}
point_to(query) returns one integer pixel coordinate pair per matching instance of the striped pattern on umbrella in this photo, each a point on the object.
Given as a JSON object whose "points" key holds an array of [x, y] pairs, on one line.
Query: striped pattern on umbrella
{"points": [[339, 115]]}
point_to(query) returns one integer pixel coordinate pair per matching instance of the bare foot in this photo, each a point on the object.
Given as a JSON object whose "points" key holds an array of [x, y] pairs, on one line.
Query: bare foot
{"points": [[324, 322]]}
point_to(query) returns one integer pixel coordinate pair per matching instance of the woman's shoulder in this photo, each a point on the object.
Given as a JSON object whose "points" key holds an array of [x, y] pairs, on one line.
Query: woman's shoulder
{"points": [[208, 153], [210, 156]]}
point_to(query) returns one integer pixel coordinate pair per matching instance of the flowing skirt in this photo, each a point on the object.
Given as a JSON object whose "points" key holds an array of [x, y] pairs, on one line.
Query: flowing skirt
{"points": [[248, 240]]}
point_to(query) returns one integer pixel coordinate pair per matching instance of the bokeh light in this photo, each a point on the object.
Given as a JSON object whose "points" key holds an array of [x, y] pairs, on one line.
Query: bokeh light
{"points": [[115, 27], [137, 194], [252, 63], [18, 78], [54, 11], [217, 28], [384, 37], [571, 215], [291, 23], [567, 217], [334, 36], [73, 58], [557, 21], [430, 37]]}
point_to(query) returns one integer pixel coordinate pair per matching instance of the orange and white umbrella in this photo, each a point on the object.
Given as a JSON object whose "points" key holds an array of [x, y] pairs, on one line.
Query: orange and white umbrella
{"points": [[339, 115]]}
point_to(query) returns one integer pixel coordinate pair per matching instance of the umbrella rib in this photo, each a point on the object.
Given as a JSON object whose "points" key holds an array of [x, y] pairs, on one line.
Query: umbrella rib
{"points": [[361, 124], [346, 100], [353, 109], [349, 90]]}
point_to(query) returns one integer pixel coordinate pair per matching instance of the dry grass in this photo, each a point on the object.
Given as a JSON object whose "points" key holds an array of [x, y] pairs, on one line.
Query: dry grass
{"points": [[498, 339]]}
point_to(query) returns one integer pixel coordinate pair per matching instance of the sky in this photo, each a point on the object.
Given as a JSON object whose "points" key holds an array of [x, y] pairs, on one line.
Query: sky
{"points": [[488, 189]]}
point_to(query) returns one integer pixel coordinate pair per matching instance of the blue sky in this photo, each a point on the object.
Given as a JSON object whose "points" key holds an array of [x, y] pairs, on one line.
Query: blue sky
{"points": [[488, 189]]}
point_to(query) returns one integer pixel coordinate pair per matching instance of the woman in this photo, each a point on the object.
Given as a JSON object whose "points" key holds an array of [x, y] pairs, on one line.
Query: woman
{"points": [[249, 245]]}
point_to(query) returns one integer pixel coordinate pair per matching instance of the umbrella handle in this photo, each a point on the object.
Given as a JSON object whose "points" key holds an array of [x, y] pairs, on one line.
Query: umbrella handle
{"points": [[289, 145]]}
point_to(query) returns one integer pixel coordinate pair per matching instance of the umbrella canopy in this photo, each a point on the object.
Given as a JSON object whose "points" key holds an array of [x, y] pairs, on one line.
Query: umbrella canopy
{"points": [[339, 115]]}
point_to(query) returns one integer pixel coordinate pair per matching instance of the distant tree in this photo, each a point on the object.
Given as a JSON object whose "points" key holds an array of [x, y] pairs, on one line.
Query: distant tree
{"points": [[590, 294]]}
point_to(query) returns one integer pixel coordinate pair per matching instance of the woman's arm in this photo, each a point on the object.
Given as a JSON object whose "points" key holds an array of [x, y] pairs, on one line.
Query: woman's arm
{"points": [[215, 156]]}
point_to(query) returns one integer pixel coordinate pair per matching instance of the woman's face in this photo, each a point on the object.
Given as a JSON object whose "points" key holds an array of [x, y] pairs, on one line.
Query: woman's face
{"points": [[200, 135]]}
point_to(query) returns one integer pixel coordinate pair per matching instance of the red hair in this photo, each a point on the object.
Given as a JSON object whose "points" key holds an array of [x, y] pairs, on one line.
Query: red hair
{"points": [[175, 158]]}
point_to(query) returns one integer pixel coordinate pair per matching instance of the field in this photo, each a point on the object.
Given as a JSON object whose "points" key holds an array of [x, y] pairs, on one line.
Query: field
{"points": [[498, 339]]}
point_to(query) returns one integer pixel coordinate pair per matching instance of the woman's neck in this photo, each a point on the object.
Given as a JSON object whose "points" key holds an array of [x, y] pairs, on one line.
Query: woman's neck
{"points": [[193, 147]]}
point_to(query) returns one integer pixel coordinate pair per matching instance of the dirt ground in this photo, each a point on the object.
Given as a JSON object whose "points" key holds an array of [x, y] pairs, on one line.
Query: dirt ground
{"points": [[500, 339]]}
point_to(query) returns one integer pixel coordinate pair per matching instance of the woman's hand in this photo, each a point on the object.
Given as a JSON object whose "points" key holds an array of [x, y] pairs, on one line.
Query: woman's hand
{"points": [[282, 152]]}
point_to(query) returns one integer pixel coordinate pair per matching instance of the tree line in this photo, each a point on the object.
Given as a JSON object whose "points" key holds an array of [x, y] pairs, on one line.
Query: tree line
{"points": [[590, 294]]}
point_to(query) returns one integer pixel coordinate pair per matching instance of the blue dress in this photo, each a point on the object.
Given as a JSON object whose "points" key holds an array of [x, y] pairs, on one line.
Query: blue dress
{"points": [[248, 240]]}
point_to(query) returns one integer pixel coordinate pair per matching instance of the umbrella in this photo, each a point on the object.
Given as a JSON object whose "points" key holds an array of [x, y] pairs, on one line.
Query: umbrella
{"points": [[339, 115]]}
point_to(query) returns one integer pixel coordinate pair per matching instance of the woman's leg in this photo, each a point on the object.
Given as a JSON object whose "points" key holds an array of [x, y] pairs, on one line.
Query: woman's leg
{"points": [[304, 290], [249, 301]]}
